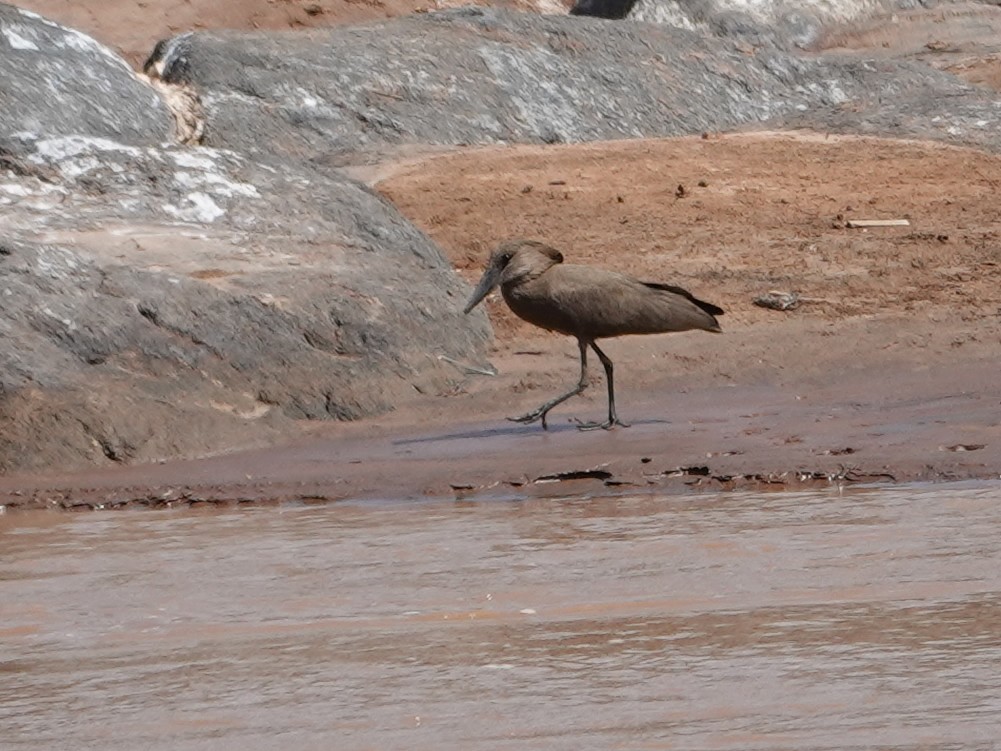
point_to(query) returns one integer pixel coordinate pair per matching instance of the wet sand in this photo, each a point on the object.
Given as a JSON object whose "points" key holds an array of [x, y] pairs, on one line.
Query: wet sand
{"points": [[835, 429], [800, 620]]}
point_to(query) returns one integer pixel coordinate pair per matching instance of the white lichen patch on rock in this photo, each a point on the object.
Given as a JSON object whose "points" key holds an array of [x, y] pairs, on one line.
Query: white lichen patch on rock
{"points": [[196, 207], [203, 159], [19, 37], [204, 182], [193, 185], [306, 99], [214, 182], [74, 156], [31, 193], [64, 147]]}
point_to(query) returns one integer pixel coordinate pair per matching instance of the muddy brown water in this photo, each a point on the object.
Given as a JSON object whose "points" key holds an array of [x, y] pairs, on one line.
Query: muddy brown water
{"points": [[821, 620]]}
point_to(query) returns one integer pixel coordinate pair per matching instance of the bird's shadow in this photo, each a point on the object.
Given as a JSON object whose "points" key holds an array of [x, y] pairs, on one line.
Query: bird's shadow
{"points": [[513, 430]]}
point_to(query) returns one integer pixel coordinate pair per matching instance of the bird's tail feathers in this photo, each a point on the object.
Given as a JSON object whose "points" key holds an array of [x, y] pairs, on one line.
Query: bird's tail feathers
{"points": [[708, 307]]}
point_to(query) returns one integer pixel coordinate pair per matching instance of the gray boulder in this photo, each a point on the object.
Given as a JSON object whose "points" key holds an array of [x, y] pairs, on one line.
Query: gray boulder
{"points": [[189, 300], [479, 76], [59, 82], [157, 301]]}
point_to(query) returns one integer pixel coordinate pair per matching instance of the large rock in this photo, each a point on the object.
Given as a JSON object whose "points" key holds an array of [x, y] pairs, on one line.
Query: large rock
{"points": [[477, 76], [159, 301], [190, 300], [58, 82]]}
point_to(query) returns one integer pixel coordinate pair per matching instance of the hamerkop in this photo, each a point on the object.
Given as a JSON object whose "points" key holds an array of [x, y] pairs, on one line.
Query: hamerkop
{"points": [[588, 303]]}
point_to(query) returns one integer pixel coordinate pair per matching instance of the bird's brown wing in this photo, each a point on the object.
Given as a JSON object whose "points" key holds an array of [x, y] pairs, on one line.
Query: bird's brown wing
{"points": [[595, 303]]}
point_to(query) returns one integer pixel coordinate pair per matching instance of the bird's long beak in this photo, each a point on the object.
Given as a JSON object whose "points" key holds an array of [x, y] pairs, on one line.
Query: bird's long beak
{"points": [[489, 280]]}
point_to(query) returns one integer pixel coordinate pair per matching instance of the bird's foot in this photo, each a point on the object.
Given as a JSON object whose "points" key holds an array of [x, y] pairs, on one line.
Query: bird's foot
{"points": [[533, 416], [606, 425]]}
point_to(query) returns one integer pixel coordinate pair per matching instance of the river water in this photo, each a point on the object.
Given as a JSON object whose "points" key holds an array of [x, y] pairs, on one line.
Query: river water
{"points": [[821, 620]]}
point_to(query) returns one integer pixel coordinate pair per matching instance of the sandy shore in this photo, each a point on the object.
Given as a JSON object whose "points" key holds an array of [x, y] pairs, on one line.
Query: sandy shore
{"points": [[854, 426], [887, 372]]}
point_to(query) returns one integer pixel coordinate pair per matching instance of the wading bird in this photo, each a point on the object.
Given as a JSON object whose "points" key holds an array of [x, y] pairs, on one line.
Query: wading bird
{"points": [[587, 303]]}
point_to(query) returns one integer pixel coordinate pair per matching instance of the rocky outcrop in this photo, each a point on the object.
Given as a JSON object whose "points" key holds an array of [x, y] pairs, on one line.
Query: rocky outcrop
{"points": [[159, 301], [478, 76], [59, 82], [187, 300]]}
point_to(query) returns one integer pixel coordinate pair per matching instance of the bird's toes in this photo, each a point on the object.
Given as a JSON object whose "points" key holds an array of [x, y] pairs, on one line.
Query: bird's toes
{"points": [[607, 425], [526, 419], [592, 425]]}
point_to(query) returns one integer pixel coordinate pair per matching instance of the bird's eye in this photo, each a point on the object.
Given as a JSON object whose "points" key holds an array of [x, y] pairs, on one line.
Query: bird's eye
{"points": [[506, 258]]}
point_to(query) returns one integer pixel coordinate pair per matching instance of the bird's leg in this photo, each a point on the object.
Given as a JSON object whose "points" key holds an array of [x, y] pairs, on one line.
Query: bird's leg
{"points": [[613, 419], [540, 413]]}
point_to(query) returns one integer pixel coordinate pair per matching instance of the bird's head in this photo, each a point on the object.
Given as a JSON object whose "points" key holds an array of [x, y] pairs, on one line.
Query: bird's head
{"points": [[511, 262]]}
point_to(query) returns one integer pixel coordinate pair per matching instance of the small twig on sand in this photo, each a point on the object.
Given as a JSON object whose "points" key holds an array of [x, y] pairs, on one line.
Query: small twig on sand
{"points": [[860, 223], [468, 369]]}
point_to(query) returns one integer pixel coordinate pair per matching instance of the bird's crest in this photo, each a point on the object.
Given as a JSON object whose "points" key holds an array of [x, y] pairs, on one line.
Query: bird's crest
{"points": [[507, 250]]}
